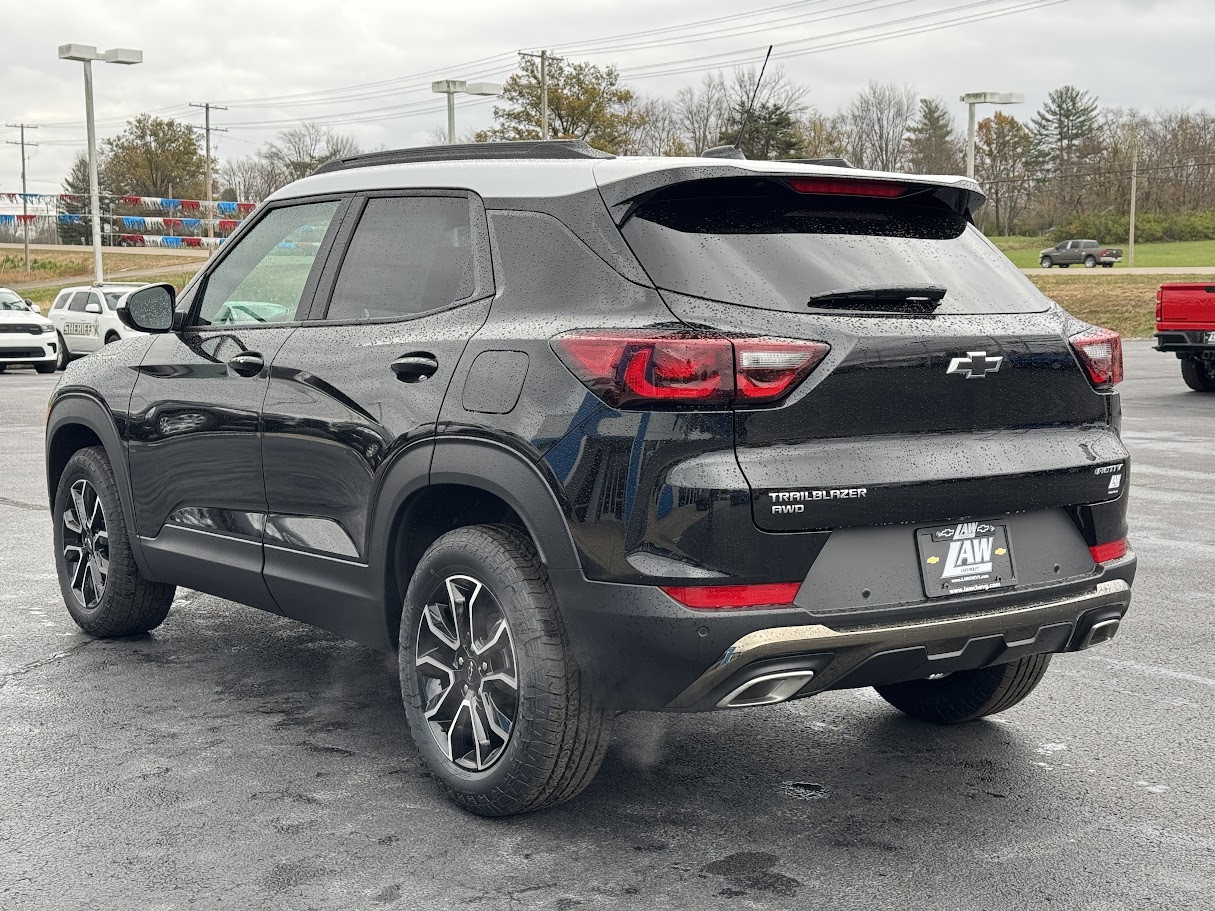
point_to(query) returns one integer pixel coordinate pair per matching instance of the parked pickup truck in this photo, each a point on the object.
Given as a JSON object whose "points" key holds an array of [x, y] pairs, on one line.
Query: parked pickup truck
{"points": [[1185, 325], [1073, 252]]}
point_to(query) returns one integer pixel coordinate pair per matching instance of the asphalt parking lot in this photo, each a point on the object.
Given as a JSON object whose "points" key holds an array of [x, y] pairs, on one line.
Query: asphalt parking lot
{"points": [[234, 759]]}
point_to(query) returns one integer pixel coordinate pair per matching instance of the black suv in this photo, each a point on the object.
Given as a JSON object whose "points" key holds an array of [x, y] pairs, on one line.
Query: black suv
{"points": [[576, 434]]}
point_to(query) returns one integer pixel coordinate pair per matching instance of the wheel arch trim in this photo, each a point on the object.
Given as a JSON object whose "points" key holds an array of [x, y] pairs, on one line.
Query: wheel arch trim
{"points": [[81, 409]]}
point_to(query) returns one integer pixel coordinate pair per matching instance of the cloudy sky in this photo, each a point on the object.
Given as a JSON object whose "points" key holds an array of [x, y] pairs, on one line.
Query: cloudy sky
{"points": [[365, 66]]}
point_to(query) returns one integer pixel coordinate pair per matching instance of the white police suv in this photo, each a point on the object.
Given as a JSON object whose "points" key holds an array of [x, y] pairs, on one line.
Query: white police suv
{"points": [[84, 318]]}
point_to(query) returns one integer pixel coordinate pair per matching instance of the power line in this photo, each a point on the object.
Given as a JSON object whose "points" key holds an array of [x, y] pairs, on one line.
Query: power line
{"points": [[207, 108], [849, 37], [906, 26], [24, 193]]}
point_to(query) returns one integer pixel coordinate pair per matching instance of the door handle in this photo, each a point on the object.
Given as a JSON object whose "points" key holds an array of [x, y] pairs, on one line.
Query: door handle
{"points": [[247, 363], [416, 367]]}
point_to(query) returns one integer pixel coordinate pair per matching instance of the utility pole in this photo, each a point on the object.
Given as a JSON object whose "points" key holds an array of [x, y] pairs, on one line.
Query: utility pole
{"points": [[544, 59], [207, 107], [25, 209], [1134, 194]]}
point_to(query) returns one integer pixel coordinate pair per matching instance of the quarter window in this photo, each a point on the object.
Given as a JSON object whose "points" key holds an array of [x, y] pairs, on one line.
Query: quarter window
{"points": [[408, 255], [262, 279]]}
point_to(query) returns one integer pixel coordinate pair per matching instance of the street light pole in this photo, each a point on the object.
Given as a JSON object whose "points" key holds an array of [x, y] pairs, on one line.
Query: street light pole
{"points": [[94, 183], [86, 54], [453, 87], [976, 98], [25, 209]]}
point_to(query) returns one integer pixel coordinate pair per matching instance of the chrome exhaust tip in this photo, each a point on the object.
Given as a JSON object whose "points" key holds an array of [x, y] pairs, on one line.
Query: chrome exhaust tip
{"points": [[1100, 632], [766, 689]]}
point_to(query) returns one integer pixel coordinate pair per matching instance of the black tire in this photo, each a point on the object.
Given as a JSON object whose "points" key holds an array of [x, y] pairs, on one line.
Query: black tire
{"points": [[560, 731], [1197, 375], [124, 603], [1107, 265], [46, 368], [65, 356], [112, 337], [1065, 265], [3, 367], [1046, 262], [967, 695], [1090, 262]]}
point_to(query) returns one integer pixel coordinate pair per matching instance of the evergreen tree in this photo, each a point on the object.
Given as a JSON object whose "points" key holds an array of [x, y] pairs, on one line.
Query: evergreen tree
{"points": [[76, 185], [1065, 130], [772, 132], [933, 144]]}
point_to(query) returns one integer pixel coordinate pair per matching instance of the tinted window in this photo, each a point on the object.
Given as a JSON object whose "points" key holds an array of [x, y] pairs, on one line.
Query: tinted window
{"points": [[112, 298], [261, 280], [79, 299], [408, 255], [761, 245]]}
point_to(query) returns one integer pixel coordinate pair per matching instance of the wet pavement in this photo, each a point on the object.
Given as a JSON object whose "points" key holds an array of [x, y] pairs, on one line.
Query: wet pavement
{"points": [[234, 759]]}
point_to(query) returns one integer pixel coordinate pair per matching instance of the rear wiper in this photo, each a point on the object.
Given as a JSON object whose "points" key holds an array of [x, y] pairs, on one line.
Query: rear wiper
{"points": [[895, 299]]}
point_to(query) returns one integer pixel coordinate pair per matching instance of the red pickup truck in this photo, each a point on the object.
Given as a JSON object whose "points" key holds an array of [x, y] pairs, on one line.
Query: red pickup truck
{"points": [[1185, 325]]}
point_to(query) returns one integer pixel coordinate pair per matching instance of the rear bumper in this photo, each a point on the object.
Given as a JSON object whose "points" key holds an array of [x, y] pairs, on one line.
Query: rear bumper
{"points": [[646, 652], [1191, 341], [818, 658]]}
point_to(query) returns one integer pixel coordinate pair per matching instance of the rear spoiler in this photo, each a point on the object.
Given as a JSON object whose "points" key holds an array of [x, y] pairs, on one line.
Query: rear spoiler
{"points": [[623, 196]]}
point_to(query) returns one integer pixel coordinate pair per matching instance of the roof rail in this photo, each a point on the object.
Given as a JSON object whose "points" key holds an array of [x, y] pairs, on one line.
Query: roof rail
{"points": [[472, 151]]}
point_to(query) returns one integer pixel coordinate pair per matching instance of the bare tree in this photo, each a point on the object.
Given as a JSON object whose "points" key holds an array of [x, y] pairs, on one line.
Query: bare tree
{"points": [[299, 151], [701, 112], [878, 119], [656, 129]]}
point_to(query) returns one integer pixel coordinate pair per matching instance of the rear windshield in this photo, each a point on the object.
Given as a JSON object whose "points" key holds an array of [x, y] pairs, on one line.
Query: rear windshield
{"points": [[762, 245]]}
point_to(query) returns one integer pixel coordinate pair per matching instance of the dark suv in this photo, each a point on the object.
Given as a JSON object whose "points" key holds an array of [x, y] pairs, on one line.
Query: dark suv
{"points": [[576, 434]]}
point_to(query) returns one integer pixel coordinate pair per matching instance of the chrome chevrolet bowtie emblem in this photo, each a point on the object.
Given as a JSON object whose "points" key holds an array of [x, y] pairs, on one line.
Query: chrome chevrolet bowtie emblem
{"points": [[975, 365]]}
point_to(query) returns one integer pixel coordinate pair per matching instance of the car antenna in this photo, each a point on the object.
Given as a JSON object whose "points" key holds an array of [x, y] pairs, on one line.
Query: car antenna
{"points": [[751, 104], [735, 151]]}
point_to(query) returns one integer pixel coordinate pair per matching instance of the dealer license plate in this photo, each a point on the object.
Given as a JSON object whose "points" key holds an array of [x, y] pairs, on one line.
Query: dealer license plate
{"points": [[965, 557]]}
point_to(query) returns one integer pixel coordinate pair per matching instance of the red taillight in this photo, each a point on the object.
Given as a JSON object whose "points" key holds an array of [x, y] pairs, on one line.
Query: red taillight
{"points": [[1159, 303], [837, 187], [1100, 352], [709, 597], [1103, 553], [673, 368]]}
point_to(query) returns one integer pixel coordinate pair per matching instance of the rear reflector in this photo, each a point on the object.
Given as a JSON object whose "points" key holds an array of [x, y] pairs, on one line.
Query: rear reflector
{"points": [[708, 597], [1100, 352], [832, 187], [663, 368], [1103, 553]]}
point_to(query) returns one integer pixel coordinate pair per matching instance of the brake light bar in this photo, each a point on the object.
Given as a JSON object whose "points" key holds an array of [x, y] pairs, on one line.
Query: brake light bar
{"points": [[1100, 351], [717, 597], [838, 187], [1104, 553], [653, 369]]}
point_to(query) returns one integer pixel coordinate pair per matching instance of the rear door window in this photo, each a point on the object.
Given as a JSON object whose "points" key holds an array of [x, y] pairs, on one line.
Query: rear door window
{"points": [[408, 255], [759, 244], [79, 300]]}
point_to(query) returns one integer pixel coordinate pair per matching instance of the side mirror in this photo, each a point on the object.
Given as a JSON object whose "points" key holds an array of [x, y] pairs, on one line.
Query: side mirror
{"points": [[32, 307], [92, 307], [149, 309]]}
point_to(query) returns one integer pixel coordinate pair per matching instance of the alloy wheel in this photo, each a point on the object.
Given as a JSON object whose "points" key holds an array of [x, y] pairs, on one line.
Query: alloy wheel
{"points": [[467, 676], [86, 545]]}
